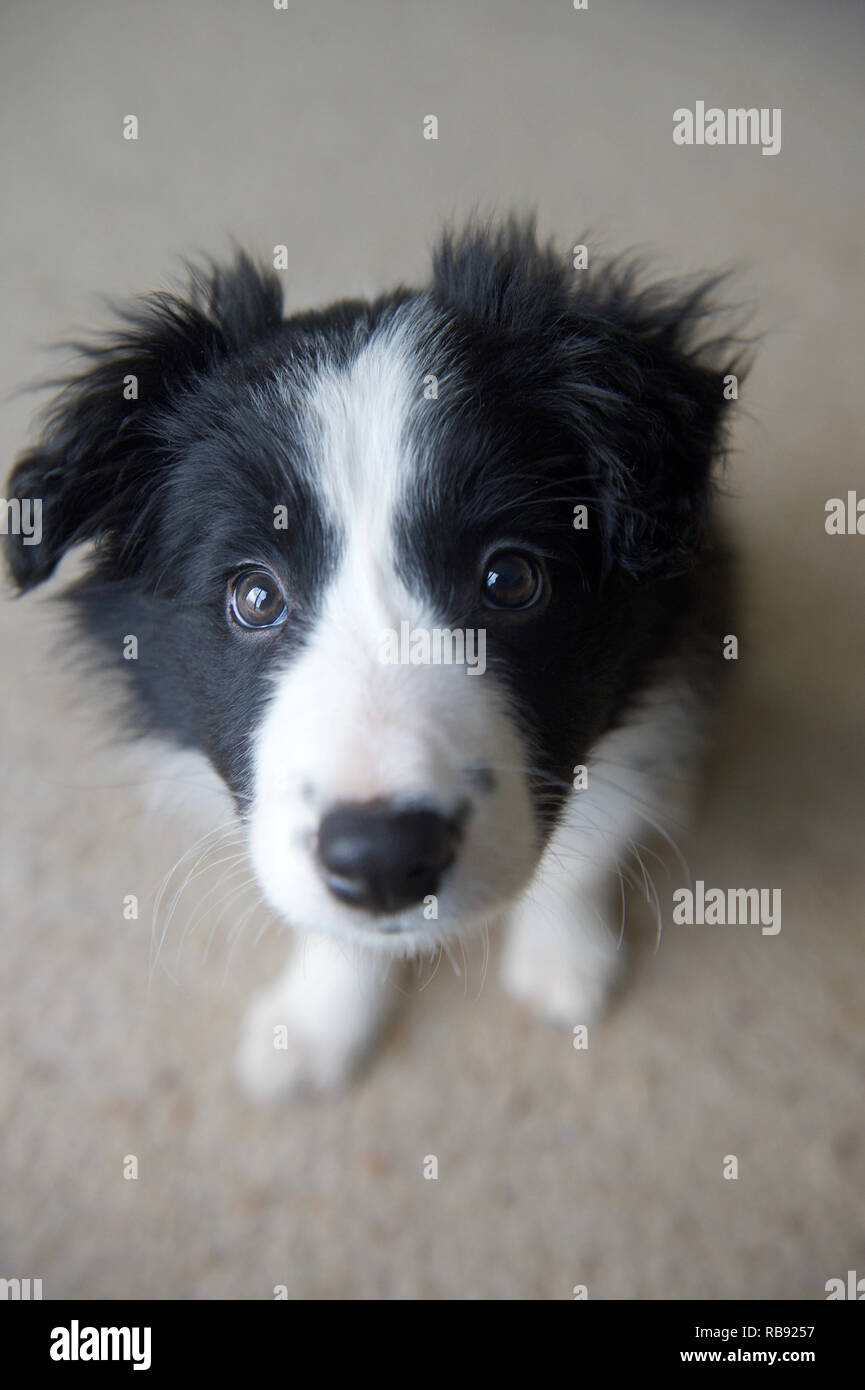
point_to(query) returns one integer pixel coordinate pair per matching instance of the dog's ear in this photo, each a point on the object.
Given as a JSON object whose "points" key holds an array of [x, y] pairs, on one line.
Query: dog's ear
{"points": [[619, 368], [499, 277], [650, 400], [97, 466]]}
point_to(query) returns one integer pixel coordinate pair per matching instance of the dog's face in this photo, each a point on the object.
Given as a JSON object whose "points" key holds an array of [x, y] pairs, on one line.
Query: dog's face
{"points": [[391, 568]]}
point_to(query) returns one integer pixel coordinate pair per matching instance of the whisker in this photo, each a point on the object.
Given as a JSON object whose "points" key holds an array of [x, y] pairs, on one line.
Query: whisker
{"points": [[217, 834], [230, 898], [200, 866]]}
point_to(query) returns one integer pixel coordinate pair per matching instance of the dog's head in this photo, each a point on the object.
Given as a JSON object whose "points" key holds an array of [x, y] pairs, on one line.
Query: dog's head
{"points": [[393, 566]]}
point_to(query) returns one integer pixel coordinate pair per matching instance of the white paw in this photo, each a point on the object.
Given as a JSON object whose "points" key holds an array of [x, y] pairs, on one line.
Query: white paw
{"points": [[278, 1060], [310, 1030], [565, 990]]}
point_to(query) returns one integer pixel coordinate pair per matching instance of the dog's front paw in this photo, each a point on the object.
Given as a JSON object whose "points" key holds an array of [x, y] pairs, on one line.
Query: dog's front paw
{"points": [[558, 981], [563, 992], [308, 1033], [280, 1060]]}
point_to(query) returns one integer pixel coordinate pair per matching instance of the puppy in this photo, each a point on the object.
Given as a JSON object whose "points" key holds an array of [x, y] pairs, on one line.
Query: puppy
{"points": [[432, 583]]}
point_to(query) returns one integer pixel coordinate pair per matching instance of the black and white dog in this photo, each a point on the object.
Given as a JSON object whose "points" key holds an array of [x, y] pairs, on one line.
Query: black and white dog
{"points": [[432, 583]]}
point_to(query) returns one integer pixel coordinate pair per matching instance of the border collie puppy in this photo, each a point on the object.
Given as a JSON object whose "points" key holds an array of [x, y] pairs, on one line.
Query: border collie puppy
{"points": [[432, 583]]}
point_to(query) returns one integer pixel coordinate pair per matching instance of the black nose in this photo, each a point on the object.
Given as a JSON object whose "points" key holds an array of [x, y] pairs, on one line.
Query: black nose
{"points": [[383, 859]]}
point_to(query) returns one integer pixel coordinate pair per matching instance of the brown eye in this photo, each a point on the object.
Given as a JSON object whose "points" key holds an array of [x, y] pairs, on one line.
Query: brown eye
{"points": [[513, 580], [257, 599]]}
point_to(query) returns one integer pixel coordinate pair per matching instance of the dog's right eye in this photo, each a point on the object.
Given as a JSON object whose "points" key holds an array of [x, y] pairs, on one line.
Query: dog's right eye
{"points": [[513, 581], [256, 599]]}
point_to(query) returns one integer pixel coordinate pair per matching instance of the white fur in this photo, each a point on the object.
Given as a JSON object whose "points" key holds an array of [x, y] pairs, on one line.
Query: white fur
{"points": [[308, 1031]]}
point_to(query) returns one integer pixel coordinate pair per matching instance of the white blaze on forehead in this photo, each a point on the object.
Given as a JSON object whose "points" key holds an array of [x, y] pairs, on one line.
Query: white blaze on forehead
{"points": [[358, 713], [357, 429]]}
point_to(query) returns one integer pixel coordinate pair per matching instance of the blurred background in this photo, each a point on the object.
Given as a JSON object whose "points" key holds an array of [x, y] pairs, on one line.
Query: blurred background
{"points": [[304, 127]]}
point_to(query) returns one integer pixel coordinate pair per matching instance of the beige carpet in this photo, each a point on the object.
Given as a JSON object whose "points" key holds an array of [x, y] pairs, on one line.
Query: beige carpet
{"points": [[556, 1167]]}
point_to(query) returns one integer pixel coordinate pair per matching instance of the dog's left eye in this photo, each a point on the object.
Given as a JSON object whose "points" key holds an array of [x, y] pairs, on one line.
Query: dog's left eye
{"points": [[513, 580], [257, 599]]}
